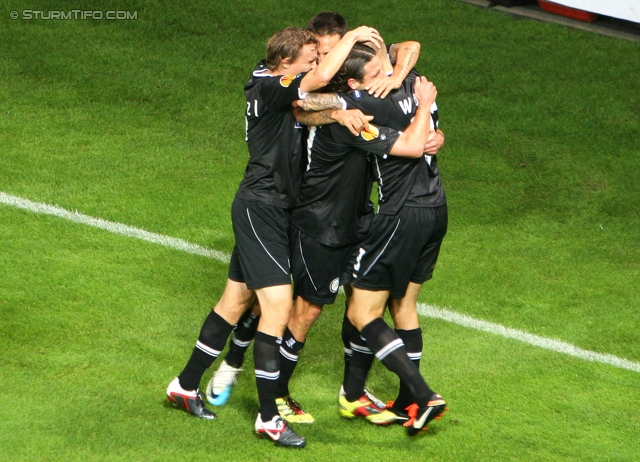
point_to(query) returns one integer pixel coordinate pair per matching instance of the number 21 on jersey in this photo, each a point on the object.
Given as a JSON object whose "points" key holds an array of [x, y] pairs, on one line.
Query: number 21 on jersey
{"points": [[248, 114]]}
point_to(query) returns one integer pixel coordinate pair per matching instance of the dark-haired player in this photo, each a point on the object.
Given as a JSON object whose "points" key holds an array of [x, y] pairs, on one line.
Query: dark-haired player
{"points": [[334, 210], [393, 260], [260, 215], [307, 306]]}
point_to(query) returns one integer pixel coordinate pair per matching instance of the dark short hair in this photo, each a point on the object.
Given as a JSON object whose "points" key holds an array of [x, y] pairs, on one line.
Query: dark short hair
{"points": [[287, 43], [352, 68], [328, 23]]}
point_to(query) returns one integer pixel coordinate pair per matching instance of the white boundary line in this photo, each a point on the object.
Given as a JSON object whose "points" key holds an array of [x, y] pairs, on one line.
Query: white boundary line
{"points": [[532, 339], [113, 227], [424, 310]]}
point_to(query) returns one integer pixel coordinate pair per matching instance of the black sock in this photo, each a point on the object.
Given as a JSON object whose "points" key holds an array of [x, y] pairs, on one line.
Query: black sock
{"points": [[347, 328], [266, 358], [212, 339], [289, 352], [412, 340], [389, 349], [359, 367], [241, 338]]}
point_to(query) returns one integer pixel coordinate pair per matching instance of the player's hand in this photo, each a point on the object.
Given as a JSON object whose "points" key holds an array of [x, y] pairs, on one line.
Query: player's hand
{"points": [[381, 87], [425, 92], [434, 142], [353, 119], [367, 34]]}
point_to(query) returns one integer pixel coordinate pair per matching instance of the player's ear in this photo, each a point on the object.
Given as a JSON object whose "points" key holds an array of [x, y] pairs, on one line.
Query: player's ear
{"points": [[353, 83], [286, 62]]}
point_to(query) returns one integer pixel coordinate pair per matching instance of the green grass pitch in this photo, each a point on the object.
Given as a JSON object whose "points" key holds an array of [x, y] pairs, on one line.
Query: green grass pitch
{"points": [[140, 122]]}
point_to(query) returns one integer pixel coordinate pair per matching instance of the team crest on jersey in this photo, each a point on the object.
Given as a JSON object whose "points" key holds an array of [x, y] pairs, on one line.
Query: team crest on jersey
{"points": [[286, 80], [334, 285], [357, 94], [370, 133]]}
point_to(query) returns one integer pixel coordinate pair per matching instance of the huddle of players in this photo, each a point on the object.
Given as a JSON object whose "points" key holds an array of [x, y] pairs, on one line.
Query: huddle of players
{"points": [[321, 221]]}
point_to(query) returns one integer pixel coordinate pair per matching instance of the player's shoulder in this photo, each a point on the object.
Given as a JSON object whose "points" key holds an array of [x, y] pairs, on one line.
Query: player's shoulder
{"points": [[260, 74], [361, 98]]}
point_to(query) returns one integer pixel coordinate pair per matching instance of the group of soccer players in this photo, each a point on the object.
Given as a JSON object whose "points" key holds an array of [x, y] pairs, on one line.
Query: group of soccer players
{"points": [[309, 217]]}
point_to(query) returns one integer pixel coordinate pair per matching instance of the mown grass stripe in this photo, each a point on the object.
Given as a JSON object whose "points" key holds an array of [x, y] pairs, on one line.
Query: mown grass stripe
{"points": [[424, 310], [113, 227]]}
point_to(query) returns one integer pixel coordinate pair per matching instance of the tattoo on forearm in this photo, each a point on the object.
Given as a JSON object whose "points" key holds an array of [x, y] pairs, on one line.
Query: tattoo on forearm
{"points": [[407, 62], [321, 101], [315, 119]]}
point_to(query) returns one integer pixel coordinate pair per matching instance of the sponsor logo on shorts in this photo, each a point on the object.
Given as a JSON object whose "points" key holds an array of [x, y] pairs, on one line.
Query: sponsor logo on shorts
{"points": [[286, 80], [370, 133], [335, 284]]}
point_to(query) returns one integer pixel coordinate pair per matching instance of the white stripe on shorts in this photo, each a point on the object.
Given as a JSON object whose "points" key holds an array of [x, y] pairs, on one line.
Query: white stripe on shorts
{"points": [[306, 268], [385, 248], [265, 249]]}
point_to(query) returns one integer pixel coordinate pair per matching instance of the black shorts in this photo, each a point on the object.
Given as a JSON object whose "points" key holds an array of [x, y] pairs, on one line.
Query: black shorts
{"points": [[260, 257], [316, 268], [398, 249]]}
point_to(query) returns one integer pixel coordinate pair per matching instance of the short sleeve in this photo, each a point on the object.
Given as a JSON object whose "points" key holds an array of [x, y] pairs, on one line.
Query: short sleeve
{"points": [[280, 91], [376, 140]]}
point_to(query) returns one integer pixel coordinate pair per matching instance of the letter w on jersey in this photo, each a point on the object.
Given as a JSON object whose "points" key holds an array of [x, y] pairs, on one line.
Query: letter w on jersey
{"points": [[406, 105]]}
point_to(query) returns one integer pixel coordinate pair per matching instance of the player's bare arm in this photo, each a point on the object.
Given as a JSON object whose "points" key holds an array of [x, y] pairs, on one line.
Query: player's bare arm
{"points": [[353, 119], [320, 102], [405, 56], [412, 141], [321, 75]]}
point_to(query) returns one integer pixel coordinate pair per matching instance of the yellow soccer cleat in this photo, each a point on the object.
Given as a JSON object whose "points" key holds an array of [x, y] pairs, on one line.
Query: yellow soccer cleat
{"points": [[291, 411], [363, 407]]}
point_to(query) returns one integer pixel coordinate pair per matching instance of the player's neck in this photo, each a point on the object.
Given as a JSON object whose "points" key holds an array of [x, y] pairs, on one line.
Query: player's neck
{"points": [[280, 70]]}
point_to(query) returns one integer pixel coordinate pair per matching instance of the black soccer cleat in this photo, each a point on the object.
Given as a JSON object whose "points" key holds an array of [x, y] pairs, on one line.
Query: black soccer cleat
{"points": [[190, 401], [279, 432], [420, 417], [401, 414]]}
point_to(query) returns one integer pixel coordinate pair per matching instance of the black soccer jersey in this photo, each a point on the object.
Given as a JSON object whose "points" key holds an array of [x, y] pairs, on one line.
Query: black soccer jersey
{"points": [[273, 136], [401, 181], [334, 206]]}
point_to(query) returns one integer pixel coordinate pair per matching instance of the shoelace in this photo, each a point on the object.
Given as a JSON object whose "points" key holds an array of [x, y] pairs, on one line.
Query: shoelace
{"points": [[412, 412], [227, 377], [293, 404], [369, 394]]}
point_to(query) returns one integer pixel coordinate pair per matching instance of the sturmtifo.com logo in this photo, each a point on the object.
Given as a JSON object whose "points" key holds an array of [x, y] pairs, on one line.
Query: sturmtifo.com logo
{"points": [[111, 15]]}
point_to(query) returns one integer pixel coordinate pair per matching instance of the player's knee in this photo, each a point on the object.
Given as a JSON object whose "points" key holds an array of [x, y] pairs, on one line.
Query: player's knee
{"points": [[356, 319], [305, 313]]}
